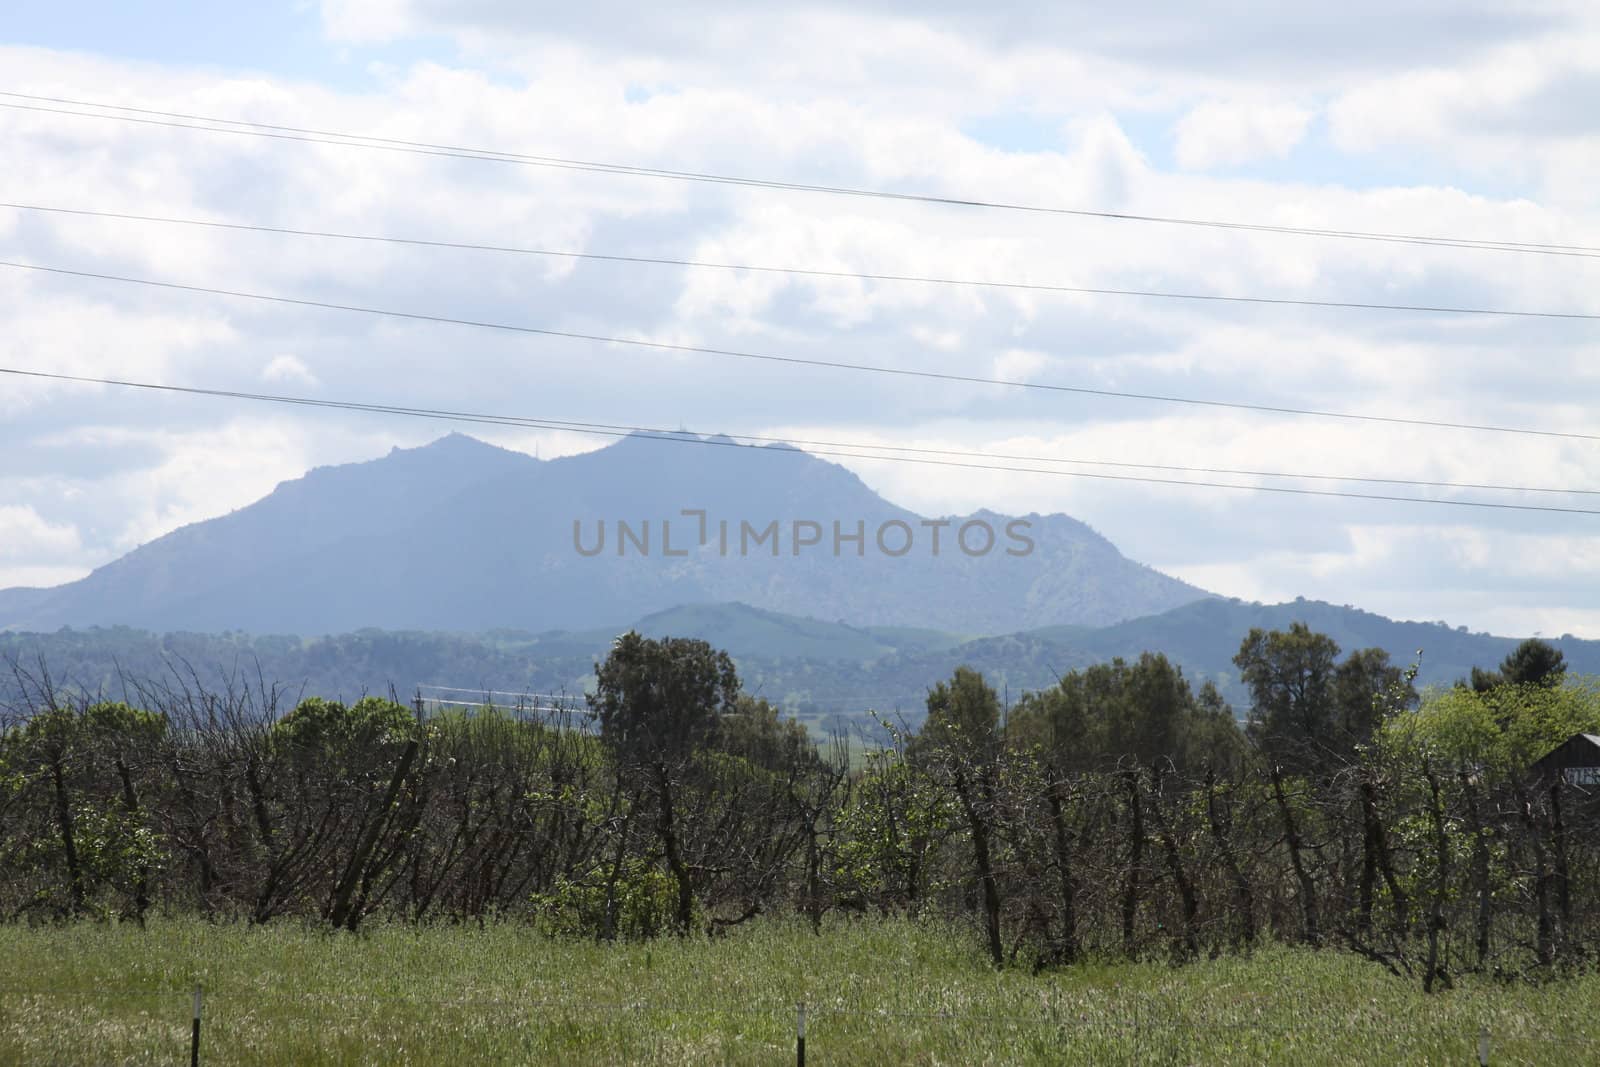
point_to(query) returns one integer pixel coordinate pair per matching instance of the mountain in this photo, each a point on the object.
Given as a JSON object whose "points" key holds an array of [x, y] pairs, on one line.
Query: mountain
{"points": [[813, 668], [463, 536]]}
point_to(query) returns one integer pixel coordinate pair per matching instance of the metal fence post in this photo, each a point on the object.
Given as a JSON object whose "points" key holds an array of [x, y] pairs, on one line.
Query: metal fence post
{"points": [[800, 1034], [194, 1034], [1483, 1046]]}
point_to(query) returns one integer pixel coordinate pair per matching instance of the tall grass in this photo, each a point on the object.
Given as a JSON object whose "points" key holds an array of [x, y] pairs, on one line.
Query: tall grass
{"points": [[877, 992]]}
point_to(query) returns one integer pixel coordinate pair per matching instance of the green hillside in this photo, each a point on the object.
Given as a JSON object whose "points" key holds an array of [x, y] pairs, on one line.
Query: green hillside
{"points": [[812, 668]]}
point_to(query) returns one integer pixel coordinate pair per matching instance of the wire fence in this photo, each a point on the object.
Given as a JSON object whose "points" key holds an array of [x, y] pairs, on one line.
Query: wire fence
{"points": [[1144, 1033]]}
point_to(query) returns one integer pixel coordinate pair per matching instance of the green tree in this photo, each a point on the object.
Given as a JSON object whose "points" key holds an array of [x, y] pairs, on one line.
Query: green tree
{"points": [[1367, 686], [1146, 709], [1291, 679], [92, 761], [1500, 730], [659, 701], [329, 730], [758, 732], [1306, 706], [961, 739], [1533, 662]]}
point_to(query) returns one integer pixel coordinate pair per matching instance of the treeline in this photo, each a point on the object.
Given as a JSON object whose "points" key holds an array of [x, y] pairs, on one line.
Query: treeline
{"points": [[1119, 812]]}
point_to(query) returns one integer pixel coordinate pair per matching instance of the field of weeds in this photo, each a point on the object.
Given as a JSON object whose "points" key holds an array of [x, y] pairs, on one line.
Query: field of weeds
{"points": [[875, 992]]}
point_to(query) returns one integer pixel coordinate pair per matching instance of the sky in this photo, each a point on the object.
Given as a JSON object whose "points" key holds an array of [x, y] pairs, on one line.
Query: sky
{"points": [[1468, 120]]}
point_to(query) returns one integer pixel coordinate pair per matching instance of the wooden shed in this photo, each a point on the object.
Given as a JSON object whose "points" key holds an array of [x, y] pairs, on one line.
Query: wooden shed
{"points": [[1575, 761]]}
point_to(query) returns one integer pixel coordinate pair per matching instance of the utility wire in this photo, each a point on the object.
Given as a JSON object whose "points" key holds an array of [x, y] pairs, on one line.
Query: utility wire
{"points": [[869, 368], [724, 441], [181, 120], [919, 279], [560, 424]]}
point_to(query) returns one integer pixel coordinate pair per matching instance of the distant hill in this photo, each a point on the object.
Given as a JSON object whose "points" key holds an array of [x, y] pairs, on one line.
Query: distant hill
{"points": [[813, 668], [751, 632], [465, 537]]}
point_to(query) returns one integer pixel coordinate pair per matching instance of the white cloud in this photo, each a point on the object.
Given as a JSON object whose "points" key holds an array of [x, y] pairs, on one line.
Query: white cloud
{"points": [[366, 20], [36, 552], [25, 536], [1520, 113], [1219, 133], [1018, 364], [287, 368]]}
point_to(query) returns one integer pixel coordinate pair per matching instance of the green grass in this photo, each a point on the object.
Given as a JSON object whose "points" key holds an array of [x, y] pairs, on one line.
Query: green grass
{"points": [[877, 992]]}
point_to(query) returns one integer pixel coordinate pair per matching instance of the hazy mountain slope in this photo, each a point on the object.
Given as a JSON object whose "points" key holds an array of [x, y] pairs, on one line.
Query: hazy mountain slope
{"points": [[463, 536], [746, 631], [809, 666], [1209, 632]]}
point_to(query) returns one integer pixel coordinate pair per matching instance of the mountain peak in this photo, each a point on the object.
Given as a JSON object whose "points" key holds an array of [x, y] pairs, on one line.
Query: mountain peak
{"points": [[459, 534], [455, 444]]}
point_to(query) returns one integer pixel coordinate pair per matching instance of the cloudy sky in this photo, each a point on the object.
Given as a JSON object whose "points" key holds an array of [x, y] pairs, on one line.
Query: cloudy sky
{"points": [[1465, 119]]}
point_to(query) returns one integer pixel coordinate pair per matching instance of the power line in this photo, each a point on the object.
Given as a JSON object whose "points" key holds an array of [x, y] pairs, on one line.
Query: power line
{"points": [[578, 426], [518, 694], [241, 127], [524, 708], [920, 279], [903, 372], [647, 433], [490, 694]]}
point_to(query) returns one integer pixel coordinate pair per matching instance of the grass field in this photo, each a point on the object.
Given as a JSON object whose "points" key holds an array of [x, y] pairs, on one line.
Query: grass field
{"points": [[877, 992]]}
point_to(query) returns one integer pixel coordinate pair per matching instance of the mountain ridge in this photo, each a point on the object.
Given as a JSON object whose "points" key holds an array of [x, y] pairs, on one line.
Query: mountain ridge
{"points": [[829, 668], [465, 536]]}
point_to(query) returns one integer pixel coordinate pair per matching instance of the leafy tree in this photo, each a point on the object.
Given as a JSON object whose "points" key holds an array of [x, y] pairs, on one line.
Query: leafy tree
{"points": [[318, 727], [961, 739], [1291, 680], [1212, 739], [760, 733], [1533, 662], [888, 832], [97, 818], [336, 809], [1366, 687], [1145, 710], [963, 717], [659, 701], [1307, 706], [1502, 729]]}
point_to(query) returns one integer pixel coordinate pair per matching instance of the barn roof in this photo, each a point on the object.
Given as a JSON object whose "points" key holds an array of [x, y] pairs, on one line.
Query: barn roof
{"points": [[1583, 747]]}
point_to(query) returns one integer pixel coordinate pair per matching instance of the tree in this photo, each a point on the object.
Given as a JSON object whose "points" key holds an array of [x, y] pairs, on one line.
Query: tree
{"points": [[1499, 731], [759, 733], [347, 768], [1533, 662], [92, 761], [658, 702], [962, 736], [1145, 709], [1366, 687], [1291, 680], [1306, 705], [319, 728]]}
